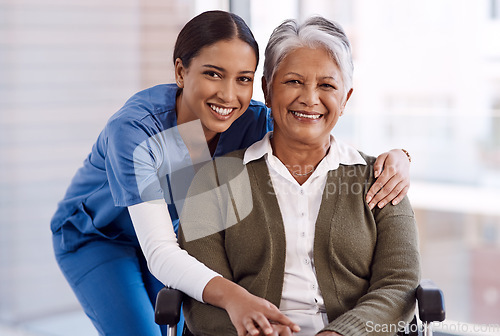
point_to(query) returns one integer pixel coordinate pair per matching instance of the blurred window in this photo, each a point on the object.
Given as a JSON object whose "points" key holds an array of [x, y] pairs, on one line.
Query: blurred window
{"points": [[495, 9]]}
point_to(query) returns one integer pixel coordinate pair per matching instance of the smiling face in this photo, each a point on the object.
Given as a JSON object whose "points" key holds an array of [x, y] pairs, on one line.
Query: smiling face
{"points": [[217, 86], [306, 96]]}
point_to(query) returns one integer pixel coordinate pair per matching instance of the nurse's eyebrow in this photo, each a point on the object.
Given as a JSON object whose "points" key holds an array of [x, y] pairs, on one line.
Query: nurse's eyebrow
{"points": [[214, 67], [224, 70]]}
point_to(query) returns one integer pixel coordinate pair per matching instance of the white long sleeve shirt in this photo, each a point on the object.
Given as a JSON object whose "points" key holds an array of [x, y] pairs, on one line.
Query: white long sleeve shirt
{"points": [[301, 299], [170, 264]]}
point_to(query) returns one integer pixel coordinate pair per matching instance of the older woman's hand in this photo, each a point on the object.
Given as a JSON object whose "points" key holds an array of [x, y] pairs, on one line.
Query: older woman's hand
{"points": [[392, 170]]}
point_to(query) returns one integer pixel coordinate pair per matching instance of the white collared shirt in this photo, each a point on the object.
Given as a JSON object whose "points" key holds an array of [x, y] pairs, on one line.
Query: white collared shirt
{"points": [[299, 204]]}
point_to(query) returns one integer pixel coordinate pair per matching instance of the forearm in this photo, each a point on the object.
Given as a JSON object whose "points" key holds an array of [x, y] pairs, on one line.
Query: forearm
{"points": [[170, 264], [244, 310], [221, 292], [395, 272]]}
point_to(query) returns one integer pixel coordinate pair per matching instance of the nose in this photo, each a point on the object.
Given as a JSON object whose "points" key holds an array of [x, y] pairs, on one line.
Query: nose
{"points": [[309, 95], [227, 91]]}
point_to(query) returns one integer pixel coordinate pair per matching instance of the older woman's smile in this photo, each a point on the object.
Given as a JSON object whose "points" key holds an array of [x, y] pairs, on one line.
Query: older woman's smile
{"points": [[308, 96], [306, 115]]}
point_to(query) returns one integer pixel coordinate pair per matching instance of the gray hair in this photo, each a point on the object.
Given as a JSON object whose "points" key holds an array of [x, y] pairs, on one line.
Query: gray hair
{"points": [[315, 32]]}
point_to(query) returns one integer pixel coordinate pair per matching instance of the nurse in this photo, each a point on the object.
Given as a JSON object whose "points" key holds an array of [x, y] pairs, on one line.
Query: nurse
{"points": [[114, 231]]}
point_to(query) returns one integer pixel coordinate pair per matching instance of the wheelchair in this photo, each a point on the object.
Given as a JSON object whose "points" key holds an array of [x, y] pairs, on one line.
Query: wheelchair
{"points": [[430, 303]]}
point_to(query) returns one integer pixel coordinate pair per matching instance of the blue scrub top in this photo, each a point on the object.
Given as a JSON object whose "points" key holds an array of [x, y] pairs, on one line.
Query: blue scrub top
{"points": [[134, 159]]}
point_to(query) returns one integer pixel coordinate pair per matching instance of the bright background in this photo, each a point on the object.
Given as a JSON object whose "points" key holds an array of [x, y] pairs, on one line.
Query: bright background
{"points": [[427, 78]]}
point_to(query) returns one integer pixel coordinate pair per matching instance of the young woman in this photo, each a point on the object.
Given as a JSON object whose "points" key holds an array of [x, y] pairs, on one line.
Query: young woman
{"points": [[128, 193]]}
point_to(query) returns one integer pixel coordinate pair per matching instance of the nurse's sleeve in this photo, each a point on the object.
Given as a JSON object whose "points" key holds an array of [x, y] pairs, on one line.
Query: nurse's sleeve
{"points": [[170, 264], [134, 154]]}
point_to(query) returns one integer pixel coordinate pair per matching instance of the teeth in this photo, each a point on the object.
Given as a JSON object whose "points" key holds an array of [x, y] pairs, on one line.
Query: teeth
{"points": [[220, 110], [308, 116]]}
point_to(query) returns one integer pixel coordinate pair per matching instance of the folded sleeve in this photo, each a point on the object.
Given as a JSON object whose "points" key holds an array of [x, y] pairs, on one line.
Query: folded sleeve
{"points": [[126, 152]]}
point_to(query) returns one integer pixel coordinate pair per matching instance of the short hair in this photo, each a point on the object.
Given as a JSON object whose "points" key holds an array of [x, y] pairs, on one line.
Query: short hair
{"points": [[315, 32], [208, 28]]}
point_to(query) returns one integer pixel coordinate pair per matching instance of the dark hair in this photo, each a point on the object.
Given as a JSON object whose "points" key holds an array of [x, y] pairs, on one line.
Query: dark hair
{"points": [[209, 28]]}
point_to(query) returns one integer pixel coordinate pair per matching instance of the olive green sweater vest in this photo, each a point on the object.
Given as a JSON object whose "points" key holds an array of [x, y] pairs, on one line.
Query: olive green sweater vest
{"points": [[367, 261]]}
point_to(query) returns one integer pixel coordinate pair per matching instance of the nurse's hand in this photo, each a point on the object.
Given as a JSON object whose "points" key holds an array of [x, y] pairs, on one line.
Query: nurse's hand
{"points": [[247, 312], [392, 170], [250, 312], [278, 330]]}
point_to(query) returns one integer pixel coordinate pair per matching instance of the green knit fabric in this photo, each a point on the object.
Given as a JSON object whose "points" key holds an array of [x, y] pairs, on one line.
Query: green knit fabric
{"points": [[367, 261]]}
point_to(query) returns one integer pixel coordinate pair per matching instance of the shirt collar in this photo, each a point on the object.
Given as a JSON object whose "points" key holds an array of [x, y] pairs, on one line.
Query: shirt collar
{"points": [[339, 153]]}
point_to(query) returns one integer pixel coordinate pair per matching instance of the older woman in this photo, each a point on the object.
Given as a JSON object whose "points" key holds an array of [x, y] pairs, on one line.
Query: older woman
{"points": [[287, 219]]}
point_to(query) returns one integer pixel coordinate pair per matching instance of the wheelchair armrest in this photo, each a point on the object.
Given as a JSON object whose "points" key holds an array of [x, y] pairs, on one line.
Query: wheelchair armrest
{"points": [[168, 306], [430, 302]]}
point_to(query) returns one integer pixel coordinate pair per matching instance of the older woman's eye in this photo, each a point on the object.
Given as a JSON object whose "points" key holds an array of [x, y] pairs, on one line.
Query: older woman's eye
{"points": [[292, 81], [328, 86]]}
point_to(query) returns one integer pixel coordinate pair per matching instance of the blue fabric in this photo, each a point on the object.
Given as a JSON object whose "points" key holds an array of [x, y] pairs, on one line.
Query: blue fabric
{"points": [[133, 160], [96, 200], [115, 289]]}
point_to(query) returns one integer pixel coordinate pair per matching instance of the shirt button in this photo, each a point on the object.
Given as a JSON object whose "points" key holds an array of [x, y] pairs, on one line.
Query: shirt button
{"points": [[302, 234], [302, 191], [306, 261], [314, 287], [302, 214]]}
